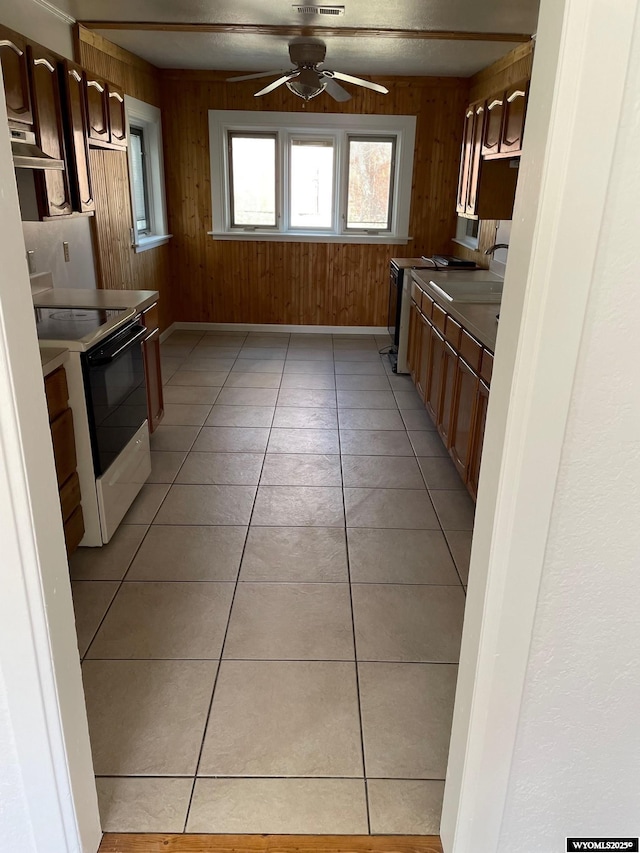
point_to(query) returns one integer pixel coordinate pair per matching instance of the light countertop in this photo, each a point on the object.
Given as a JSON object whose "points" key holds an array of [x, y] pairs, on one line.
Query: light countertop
{"points": [[52, 358], [478, 318], [67, 297]]}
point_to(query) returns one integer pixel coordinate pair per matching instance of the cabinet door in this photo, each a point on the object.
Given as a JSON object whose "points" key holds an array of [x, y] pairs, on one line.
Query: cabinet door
{"points": [[97, 108], [447, 383], [52, 186], [424, 359], [153, 378], [464, 406], [476, 160], [493, 126], [117, 117], [413, 340], [15, 72], [477, 439], [434, 377], [515, 106], [465, 160], [77, 133]]}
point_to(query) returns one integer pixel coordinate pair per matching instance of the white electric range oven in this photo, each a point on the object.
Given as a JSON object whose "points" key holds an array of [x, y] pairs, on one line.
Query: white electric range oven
{"points": [[107, 394]]}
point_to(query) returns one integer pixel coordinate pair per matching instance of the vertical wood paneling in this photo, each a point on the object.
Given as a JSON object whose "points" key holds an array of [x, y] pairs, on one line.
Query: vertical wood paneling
{"points": [[305, 283], [119, 267]]}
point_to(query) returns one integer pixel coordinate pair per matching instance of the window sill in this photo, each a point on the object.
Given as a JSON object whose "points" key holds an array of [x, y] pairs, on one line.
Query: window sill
{"points": [[277, 237], [468, 244], [146, 243]]}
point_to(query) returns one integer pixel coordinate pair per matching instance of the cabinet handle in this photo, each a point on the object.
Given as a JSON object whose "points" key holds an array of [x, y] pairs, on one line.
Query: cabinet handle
{"points": [[496, 103], [44, 62], [116, 96], [14, 47], [77, 77], [95, 85], [517, 94]]}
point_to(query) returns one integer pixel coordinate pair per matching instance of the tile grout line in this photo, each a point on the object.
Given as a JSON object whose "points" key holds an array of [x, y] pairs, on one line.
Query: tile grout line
{"points": [[226, 631], [353, 626]]}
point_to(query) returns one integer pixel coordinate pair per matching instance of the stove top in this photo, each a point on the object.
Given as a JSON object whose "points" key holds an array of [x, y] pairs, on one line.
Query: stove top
{"points": [[78, 328]]}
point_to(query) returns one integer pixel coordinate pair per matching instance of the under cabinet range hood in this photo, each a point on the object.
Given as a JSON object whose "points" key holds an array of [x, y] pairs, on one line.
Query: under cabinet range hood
{"points": [[27, 155]]}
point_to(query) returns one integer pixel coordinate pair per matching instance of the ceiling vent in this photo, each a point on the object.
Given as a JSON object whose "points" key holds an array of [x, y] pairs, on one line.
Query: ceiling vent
{"points": [[335, 11]]}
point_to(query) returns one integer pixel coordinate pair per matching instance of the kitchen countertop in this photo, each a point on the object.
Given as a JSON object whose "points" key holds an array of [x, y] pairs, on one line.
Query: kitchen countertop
{"points": [[52, 358], [478, 318], [69, 297]]}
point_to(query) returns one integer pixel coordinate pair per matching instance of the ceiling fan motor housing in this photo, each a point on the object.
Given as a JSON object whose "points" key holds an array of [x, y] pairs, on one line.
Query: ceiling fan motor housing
{"points": [[307, 54]]}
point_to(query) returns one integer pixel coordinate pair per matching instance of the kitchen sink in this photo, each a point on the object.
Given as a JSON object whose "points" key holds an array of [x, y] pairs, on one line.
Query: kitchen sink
{"points": [[470, 291]]}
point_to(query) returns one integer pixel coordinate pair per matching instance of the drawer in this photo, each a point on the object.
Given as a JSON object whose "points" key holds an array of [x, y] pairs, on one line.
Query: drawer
{"points": [[70, 495], [438, 316], [470, 350], [452, 332], [64, 446], [55, 387], [487, 366], [427, 305], [74, 530], [151, 318], [416, 294]]}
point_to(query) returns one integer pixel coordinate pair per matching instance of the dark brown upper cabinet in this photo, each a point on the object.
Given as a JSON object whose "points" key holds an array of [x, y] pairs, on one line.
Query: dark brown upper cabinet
{"points": [[117, 116], [53, 190], [493, 126], [77, 126], [97, 108], [15, 71], [465, 161], [515, 108]]}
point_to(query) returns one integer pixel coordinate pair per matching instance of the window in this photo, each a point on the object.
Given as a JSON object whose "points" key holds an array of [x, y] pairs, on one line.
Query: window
{"points": [[139, 179], [467, 232], [146, 172], [316, 177]]}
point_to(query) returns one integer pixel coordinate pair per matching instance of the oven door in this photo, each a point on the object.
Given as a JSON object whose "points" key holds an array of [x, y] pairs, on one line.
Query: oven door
{"points": [[116, 393]]}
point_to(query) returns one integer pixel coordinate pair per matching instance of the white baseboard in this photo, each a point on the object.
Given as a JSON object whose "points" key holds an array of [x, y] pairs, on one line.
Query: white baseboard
{"points": [[274, 327], [164, 335]]}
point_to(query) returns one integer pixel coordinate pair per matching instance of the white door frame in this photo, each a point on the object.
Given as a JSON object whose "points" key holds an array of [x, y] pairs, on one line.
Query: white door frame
{"points": [[46, 773], [579, 75], [571, 129]]}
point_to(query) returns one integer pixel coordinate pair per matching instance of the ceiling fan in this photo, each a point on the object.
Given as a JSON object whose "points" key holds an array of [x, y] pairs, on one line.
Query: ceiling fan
{"points": [[307, 79]]}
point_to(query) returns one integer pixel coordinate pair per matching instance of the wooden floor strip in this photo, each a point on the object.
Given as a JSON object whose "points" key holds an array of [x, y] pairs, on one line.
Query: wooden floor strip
{"points": [[158, 843]]}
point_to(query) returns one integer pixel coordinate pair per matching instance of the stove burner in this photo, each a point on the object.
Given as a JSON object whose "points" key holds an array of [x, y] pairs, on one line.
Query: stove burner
{"points": [[76, 314]]}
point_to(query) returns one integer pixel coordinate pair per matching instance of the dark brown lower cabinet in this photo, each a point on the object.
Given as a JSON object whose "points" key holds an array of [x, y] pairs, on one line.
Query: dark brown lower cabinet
{"points": [[447, 381], [423, 367], [452, 377], [434, 379], [464, 408], [153, 367], [477, 438]]}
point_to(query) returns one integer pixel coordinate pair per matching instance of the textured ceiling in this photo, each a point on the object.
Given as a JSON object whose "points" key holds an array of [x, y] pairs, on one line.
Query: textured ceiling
{"points": [[359, 55]]}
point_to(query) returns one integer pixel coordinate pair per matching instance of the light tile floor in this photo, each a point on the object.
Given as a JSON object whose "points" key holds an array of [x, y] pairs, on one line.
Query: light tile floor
{"points": [[270, 641]]}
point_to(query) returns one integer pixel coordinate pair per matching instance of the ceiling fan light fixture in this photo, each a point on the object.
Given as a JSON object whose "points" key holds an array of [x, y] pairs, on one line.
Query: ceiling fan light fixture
{"points": [[308, 84]]}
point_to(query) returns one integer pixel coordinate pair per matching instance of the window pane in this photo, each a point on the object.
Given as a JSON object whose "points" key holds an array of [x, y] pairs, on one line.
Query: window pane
{"points": [[139, 179], [253, 179], [370, 182], [311, 183]]}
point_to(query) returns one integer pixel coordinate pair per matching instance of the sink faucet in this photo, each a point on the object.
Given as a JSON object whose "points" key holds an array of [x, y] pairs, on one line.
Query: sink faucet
{"points": [[495, 246]]}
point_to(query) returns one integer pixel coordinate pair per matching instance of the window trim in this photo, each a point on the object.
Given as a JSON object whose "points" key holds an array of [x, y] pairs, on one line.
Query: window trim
{"points": [[148, 118], [289, 125], [135, 130], [353, 137]]}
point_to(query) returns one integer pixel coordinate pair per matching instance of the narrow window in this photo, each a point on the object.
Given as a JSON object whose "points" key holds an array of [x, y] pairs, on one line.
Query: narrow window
{"points": [[252, 176], [140, 181], [311, 182], [370, 183]]}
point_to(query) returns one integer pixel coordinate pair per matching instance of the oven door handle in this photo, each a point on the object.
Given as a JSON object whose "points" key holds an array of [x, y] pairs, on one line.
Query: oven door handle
{"points": [[105, 355]]}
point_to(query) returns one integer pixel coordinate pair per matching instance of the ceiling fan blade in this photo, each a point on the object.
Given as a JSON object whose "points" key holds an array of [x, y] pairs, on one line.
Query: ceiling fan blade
{"points": [[347, 78], [336, 91], [276, 83], [255, 76]]}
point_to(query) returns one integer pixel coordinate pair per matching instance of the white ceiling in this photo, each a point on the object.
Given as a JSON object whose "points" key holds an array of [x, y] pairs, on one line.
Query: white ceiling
{"points": [[356, 55]]}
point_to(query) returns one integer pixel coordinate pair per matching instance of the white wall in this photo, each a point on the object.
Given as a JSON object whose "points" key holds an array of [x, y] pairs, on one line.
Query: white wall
{"points": [[37, 22], [576, 768], [46, 239]]}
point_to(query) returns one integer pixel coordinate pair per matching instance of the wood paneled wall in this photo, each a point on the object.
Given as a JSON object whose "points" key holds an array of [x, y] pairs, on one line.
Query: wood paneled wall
{"points": [[301, 283], [118, 266]]}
